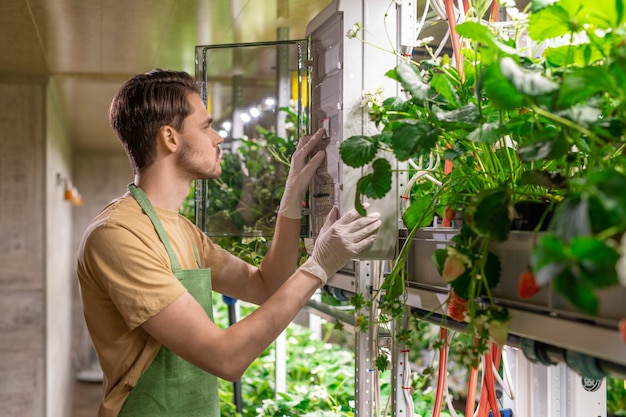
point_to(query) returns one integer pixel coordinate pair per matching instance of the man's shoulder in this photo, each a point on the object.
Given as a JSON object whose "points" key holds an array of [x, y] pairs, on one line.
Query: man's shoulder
{"points": [[122, 213]]}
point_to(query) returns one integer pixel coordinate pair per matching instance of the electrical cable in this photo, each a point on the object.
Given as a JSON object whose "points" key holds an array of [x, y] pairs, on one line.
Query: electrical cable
{"points": [[422, 20], [442, 44], [462, 11], [505, 381], [421, 172], [406, 386], [376, 282], [449, 404], [440, 9]]}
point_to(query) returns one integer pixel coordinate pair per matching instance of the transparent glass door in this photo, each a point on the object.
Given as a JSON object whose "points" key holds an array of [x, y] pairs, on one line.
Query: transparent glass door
{"points": [[258, 96]]}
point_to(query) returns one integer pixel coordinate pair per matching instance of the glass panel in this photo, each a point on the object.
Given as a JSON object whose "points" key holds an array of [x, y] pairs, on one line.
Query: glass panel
{"points": [[256, 93]]}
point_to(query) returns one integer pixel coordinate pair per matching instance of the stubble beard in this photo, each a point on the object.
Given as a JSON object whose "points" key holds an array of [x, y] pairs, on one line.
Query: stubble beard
{"points": [[188, 161]]}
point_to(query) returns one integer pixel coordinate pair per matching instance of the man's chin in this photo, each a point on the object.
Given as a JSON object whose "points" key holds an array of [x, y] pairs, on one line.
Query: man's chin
{"points": [[210, 176]]}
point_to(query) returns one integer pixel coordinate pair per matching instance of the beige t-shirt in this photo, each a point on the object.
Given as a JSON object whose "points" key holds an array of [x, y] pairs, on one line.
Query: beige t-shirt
{"points": [[125, 278]]}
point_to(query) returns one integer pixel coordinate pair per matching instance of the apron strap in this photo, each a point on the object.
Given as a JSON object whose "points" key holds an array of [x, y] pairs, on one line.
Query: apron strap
{"points": [[144, 203]]}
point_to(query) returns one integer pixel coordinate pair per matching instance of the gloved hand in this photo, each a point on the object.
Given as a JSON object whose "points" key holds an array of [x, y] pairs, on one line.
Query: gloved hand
{"points": [[339, 241], [300, 173]]}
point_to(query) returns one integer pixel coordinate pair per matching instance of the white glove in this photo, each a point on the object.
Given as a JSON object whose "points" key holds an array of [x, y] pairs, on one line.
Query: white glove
{"points": [[339, 241], [300, 173]]}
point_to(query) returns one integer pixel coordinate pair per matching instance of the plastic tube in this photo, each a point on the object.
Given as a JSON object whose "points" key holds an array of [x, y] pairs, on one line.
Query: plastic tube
{"points": [[456, 43], [471, 392], [443, 370]]}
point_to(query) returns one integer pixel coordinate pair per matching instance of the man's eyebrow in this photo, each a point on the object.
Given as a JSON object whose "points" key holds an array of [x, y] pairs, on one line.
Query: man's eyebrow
{"points": [[208, 121]]}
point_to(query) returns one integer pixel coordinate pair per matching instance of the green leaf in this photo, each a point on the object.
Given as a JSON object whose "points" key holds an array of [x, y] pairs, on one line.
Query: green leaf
{"points": [[579, 54], [378, 183], [488, 133], [608, 188], [358, 205], [493, 268], [442, 85], [461, 284], [582, 83], [548, 258], [439, 257], [537, 5], [414, 140], [571, 218], [419, 213], [393, 286], [579, 294], [489, 213], [549, 22], [482, 34], [527, 82], [466, 117], [603, 14], [411, 80], [542, 178], [596, 260], [500, 90], [357, 151], [547, 146]]}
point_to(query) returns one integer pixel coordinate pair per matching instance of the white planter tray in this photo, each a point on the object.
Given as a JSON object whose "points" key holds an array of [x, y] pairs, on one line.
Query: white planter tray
{"points": [[546, 317], [514, 258]]}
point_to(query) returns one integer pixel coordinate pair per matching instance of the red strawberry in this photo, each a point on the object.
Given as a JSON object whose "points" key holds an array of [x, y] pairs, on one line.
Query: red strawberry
{"points": [[622, 329], [457, 307], [449, 214], [527, 287], [453, 266]]}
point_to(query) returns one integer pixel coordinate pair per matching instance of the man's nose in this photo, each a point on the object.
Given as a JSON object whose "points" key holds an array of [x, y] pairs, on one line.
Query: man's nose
{"points": [[217, 138]]}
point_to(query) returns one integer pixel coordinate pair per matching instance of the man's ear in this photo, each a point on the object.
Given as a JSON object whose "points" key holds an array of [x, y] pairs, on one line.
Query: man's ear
{"points": [[168, 138]]}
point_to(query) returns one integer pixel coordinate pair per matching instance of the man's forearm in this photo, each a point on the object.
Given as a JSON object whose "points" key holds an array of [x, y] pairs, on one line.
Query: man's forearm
{"points": [[282, 257]]}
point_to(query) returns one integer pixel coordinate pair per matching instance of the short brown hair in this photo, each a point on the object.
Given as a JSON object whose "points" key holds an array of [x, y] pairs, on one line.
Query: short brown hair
{"points": [[143, 105]]}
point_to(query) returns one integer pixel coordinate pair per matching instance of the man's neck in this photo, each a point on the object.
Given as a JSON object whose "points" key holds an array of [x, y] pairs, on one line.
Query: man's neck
{"points": [[162, 191]]}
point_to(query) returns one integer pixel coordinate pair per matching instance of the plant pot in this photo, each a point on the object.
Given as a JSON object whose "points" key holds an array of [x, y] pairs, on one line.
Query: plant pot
{"points": [[530, 214]]}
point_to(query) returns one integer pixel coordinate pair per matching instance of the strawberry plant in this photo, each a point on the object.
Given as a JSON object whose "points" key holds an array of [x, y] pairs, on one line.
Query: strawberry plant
{"points": [[532, 111]]}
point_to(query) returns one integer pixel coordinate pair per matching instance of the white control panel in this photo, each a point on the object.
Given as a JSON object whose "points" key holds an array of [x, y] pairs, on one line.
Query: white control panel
{"points": [[342, 70]]}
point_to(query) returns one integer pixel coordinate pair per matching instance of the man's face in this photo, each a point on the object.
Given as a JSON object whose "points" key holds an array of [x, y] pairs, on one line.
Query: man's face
{"points": [[200, 152]]}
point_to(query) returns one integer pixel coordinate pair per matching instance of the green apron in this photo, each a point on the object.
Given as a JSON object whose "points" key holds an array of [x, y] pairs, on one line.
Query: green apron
{"points": [[171, 386]]}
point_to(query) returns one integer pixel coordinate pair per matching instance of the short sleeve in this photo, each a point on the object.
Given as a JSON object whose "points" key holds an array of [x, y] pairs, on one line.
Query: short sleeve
{"points": [[134, 271]]}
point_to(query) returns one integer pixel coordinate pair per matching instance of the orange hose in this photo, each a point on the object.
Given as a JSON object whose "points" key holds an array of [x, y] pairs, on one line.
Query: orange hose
{"points": [[447, 168], [471, 392], [454, 37], [495, 9], [491, 380], [441, 379], [488, 398], [456, 50], [483, 403], [495, 362]]}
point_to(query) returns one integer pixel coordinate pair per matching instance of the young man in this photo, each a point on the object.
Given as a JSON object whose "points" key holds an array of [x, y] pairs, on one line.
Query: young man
{"points": [[146, 273]]}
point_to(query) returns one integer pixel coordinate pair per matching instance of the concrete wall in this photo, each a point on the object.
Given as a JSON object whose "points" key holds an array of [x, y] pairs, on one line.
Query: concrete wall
{"points": [[99, 178], [59, 278], [43, 343], [22, 249]]}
